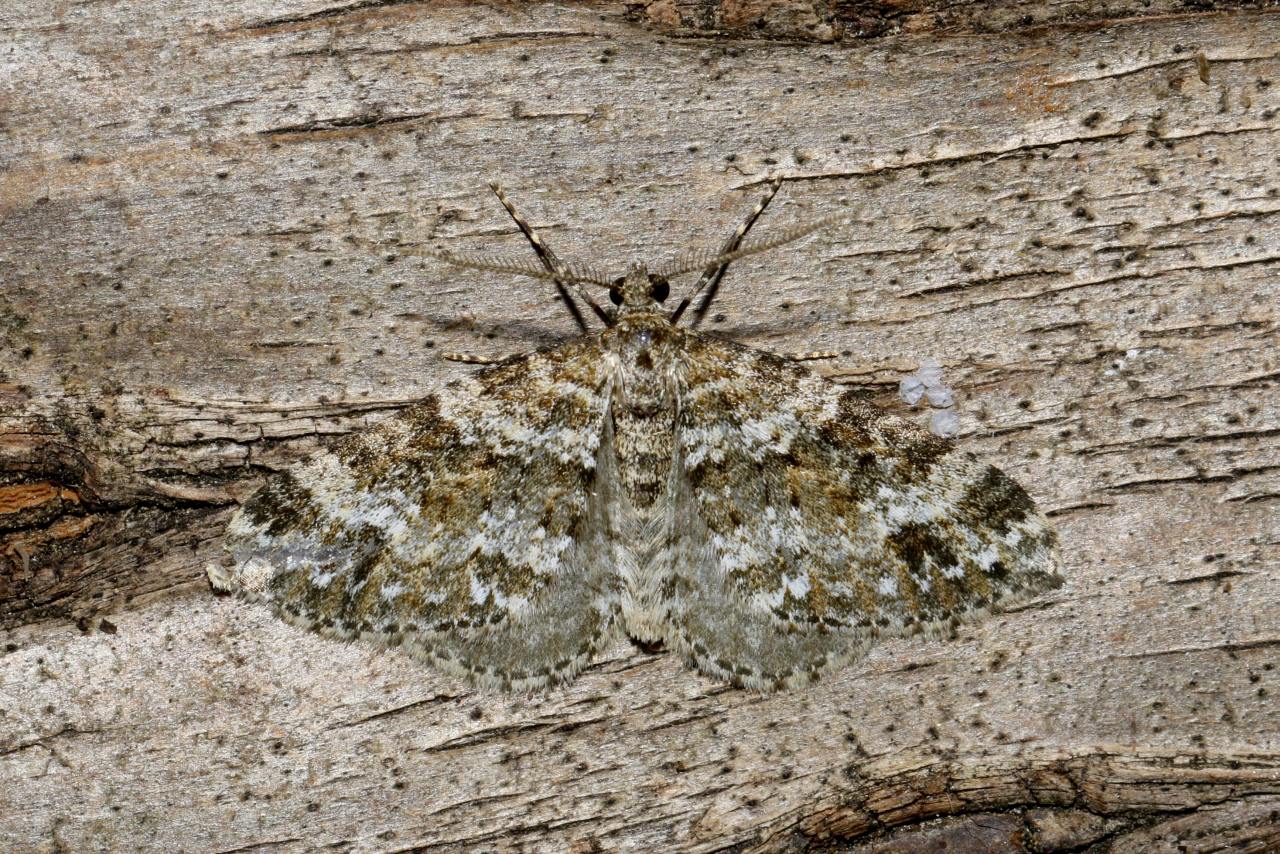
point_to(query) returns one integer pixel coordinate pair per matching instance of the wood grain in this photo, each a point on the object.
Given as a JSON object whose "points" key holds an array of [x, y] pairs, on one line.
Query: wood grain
{"points": [[208, 222]]}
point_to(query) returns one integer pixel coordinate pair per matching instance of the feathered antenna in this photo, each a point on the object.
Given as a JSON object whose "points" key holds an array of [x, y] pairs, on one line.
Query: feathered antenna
{"points": [[709, 260], [710, 279], [571, 274], [551, 262]]}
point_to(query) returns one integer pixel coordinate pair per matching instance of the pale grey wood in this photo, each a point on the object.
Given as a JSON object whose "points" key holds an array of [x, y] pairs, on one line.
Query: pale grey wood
{"points": [[207, 220]]}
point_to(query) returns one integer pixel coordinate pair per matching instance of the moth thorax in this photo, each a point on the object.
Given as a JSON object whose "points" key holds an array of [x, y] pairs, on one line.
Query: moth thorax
{"points": [[645, 388]]}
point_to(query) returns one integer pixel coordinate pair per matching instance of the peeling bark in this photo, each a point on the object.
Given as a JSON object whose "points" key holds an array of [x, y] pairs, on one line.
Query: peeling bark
{"points": [[209, 222]]}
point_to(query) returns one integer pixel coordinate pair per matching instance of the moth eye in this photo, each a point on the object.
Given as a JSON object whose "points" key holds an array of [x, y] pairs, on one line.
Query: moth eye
{"points": [[659, 289], [615, 290]]}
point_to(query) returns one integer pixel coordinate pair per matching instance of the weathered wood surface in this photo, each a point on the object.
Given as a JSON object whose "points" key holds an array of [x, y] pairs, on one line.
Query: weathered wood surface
{"points": [[207, 218]]}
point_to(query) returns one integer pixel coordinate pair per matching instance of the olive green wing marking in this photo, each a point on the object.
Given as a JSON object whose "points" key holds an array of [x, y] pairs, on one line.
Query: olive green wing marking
{"points": [[472, 529], [805, 523]]}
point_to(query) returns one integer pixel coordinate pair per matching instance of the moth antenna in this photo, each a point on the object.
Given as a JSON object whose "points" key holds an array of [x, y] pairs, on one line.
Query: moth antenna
{"points": [[515, 266], [551, 263], [588, 274], [491, 262], [710, 260], [710, 279]]}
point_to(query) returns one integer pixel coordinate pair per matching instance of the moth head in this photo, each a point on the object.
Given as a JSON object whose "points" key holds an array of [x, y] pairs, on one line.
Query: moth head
{"points": [[639, 289]]}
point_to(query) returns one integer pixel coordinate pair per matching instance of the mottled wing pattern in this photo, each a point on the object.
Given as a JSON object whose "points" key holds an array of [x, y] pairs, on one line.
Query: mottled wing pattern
{"points": [[806, 523], [471, 529]]}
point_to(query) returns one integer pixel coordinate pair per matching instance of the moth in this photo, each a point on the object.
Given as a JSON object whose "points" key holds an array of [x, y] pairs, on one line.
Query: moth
{"points": [[760, 520]]}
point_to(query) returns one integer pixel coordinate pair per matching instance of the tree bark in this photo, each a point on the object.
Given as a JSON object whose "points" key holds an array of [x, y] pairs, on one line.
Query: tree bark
{"points": [[210, 214]]}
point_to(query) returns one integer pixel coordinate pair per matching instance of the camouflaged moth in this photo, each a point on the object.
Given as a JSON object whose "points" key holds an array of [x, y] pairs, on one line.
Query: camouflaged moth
{"points": [[646, 479]]}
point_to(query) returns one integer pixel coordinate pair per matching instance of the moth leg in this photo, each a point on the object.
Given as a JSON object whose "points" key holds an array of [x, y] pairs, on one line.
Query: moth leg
{"points": [[552, 263], [811, 355], [710, 279], [473, 359]]}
